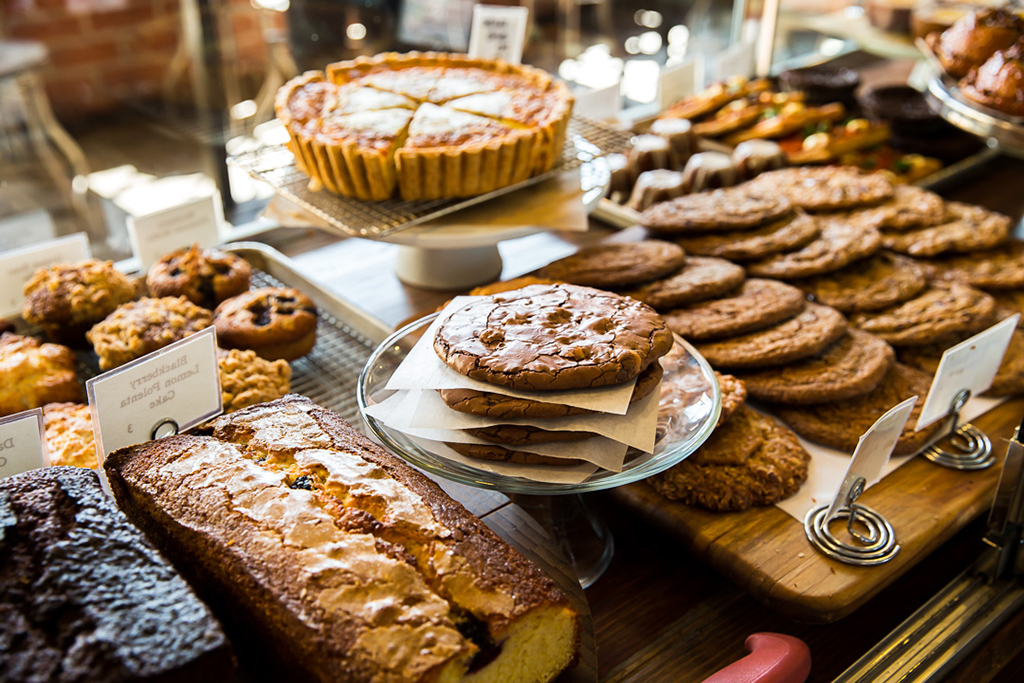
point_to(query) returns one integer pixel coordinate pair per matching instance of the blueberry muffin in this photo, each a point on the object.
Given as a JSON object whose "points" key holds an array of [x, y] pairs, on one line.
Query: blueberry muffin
{"points": [[275, 322], [69, 298], [204, 276], [35, 374], [246, 379], [143, 326]]}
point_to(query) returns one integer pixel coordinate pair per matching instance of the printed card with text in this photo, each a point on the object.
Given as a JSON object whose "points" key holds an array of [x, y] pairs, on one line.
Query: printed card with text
{"points": [[602, 104], [22, 446], [872, 452], [679, 81], [156, 234], [971, 365], [162, 393], [498, 32], [26, 229], [17, 266]]}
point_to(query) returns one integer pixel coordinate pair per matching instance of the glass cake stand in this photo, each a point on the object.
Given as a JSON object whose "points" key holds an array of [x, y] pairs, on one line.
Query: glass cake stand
{"points": [[688, 411]]}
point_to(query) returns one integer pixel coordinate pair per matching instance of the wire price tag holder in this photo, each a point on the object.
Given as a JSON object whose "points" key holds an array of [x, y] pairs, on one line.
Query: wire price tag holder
{"points": [[876, 544], [968, 447]]}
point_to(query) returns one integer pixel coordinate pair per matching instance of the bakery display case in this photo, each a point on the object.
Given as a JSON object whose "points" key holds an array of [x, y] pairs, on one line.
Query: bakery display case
{"points": [[821, 208]]}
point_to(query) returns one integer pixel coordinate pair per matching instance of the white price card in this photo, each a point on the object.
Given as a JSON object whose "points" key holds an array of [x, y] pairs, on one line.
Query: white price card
{"points": [[155, 234], [498, 32], [22, 446], [737, 60], [27, 228], [971, 365], [162, 393], [17, 266], [872, 452], [679, 80], [602, 104]]}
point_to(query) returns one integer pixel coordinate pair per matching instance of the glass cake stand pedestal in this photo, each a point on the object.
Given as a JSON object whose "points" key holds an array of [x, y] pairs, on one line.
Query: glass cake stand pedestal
{"points": [[688, 411]]}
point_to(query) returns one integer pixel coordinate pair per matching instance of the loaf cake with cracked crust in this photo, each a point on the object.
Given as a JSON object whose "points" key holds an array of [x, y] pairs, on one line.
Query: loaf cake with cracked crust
{"points": [[344, 563], [86, 597]]}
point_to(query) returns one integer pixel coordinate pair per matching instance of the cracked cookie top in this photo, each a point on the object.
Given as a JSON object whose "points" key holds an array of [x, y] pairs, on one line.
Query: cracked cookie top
{"points": [[553, 337]]}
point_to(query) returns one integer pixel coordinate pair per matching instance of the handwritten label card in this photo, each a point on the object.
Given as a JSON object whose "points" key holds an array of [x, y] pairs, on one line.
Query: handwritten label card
{"points": [[872, 453], [158, 233], [162, 393], [17, 266], [679, 81], [498, 32], [25, 229], [971, 364], [22, 446], [599, 103]]}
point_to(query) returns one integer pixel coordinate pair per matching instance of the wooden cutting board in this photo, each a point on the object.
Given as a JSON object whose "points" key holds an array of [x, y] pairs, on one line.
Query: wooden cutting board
{"points": [[766, 552]]}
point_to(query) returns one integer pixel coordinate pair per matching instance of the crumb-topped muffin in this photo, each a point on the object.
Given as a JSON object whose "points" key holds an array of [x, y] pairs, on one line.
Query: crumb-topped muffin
{"points": [[246, 379], [69, 435], [67, 299], [143, 326], [35, 373], [204, 276], [275, 322]]}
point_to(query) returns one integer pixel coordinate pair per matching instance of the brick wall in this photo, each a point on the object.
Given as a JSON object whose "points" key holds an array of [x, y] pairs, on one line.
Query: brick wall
{"points": [[103, 52]]}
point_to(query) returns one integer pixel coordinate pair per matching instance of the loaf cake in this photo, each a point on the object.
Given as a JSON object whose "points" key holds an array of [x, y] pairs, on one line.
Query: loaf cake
{"points": [[85, 597], [342, 561]]}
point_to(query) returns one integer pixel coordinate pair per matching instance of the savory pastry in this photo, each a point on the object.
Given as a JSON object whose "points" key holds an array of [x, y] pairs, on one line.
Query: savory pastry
{"points": [[617, 265], [788, 119], [835, 141], [337, 558], [275, 322], [999, 82], [69, 435], [35, 374], [552, 337], [69, 298], [974, 38], [426, 125], [143, 326], [754, 305], [714, 97], [246, 379], [203, 276], [87, 597]]}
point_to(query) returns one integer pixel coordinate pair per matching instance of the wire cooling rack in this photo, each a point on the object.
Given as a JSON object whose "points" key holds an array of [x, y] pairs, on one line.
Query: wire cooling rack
{"points": [[586, 140]]}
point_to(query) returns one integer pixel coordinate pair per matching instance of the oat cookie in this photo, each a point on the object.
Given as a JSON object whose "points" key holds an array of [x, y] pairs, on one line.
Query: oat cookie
{"points": [[487, 404], [553, 337], [735, 208], [841, 423], [140, 327], [748, 245], [734, 394], [482, 451], [617, 265], [800, 337], [701, 278], [1000, 268], [246, 379], [878, 282], [839, 244], [910, 208], [966, 228], [825, 188], [850, 367], [757, 304], [940, 312], [750, 460]]}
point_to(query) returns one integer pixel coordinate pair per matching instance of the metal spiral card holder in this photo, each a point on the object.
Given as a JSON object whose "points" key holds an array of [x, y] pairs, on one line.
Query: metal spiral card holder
{"points": [[877, 546], [968, 448]]}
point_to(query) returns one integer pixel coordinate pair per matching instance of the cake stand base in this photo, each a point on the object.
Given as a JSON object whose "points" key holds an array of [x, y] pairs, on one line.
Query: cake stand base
{"points": [[448, 269], [582, 535]]}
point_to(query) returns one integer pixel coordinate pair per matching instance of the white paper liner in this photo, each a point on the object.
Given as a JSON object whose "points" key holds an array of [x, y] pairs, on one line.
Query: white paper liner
{"points": [[637, 428], [570, 474], [828, 467], [605, 453], [422, 369]]}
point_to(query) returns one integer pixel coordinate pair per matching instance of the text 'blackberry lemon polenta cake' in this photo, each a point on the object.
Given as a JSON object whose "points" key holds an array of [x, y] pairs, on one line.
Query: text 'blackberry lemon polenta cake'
{"points": [[345, 563], [424, 125]]}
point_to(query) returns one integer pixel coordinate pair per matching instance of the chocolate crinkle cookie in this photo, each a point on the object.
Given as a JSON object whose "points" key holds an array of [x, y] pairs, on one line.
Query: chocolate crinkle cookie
{"points": [[553, 337]]}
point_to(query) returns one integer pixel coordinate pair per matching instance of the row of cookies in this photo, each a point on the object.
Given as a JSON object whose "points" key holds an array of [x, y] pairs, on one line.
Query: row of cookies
{"points": [[539, 339]]}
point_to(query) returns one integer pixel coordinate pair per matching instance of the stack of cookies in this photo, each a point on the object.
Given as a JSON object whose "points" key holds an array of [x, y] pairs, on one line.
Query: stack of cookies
{"points": [[749, 460], [539, 340]]}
